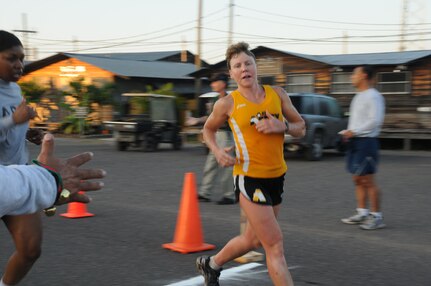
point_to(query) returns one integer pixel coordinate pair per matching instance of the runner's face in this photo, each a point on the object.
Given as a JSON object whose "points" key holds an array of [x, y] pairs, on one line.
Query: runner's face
{"points": [[12, 64], [243, 70]]}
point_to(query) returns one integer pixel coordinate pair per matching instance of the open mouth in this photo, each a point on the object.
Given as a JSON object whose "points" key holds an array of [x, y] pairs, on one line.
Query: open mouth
{"points": [[246, 77]]}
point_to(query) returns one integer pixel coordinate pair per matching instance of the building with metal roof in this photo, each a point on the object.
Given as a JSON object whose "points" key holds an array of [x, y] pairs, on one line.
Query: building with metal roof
{"points": [[376, 59], [129, 71], [404, 79]]}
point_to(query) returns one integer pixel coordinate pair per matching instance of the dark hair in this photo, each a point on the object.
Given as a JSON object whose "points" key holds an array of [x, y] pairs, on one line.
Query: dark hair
{"points": [[369, 71], [8, 40], [220, 76], [236, 49]]}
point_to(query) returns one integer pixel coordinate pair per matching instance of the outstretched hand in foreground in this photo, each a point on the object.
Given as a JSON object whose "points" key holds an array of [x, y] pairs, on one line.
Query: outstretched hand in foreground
{"points": [[75, 178]]}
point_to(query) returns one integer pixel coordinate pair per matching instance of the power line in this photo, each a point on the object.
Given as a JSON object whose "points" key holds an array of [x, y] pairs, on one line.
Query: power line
{"points": [[321, 39], [140, 35], [319, 27], [111, 43], [324, 21]]}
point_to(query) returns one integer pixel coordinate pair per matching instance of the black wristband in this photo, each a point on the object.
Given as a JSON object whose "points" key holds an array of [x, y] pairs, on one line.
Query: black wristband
{"points": [[287, 126]]}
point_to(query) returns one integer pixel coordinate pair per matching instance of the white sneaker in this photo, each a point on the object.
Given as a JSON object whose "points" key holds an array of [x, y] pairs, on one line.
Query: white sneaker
{"points": [[373, 223], [354, 219]]}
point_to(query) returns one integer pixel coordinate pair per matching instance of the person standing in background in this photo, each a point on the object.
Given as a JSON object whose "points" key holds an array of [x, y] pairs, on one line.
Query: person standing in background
{"points": [[224, 138], [367, 112]]}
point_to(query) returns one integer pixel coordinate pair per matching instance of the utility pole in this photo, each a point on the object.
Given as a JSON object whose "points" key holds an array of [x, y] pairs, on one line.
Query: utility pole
{"points": [[229, 39], [198, 54], [413, 18], [25, 32], [403, 26], [183, 50], [75, 44], [345, 42]]}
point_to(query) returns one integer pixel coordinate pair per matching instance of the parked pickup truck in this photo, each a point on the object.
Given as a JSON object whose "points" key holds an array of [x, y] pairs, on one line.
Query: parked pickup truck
{"points": [[145, 121], [323, 119]]}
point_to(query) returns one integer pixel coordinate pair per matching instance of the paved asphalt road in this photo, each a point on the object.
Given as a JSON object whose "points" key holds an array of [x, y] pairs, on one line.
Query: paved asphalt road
{"points": [[137, 212]]}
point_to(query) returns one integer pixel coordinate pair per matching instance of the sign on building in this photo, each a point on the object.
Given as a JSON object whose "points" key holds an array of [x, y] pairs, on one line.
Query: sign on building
{"points": [[81, 112]]}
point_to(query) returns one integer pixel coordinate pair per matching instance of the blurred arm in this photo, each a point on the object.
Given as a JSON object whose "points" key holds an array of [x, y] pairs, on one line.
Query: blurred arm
{"points": [[25, 189]]}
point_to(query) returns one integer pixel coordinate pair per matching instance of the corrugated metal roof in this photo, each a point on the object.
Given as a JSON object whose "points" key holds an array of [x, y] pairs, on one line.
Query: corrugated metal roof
{"points": [[387, 58], [135, 68], [304, 56], [147, 56]]}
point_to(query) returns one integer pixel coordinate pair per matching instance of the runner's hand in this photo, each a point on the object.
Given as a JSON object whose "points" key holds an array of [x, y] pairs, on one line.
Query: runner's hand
{"points": [[74, 178], [223, 157], [270, 124], [23, 113]]}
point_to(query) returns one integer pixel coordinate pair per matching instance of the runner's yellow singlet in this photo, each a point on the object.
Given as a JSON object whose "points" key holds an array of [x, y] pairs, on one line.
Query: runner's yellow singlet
{"points": [[258, 155]]}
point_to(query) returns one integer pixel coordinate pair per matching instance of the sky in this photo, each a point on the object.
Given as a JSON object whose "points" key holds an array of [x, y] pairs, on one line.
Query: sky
{"points": [[301, 26]]}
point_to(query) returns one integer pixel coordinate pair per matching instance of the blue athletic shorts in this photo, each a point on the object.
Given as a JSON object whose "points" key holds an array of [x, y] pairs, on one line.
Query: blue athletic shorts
{"points": [[263, 191], [362, 155]]}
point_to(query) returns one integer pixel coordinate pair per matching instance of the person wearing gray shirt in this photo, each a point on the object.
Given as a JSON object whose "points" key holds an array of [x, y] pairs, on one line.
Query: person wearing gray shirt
{"points": [[26, 189], [26, 230], [12, 135]]}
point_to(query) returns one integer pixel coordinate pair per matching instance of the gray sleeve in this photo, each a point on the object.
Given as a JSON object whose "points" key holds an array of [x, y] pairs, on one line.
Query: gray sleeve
{"points": [[5, 124], [25, 189]]}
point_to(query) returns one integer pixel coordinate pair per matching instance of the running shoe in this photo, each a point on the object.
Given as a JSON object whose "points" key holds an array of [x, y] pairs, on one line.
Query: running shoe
{"points": [[211, 276], [373, 223], [354, 219], [203, 199]]}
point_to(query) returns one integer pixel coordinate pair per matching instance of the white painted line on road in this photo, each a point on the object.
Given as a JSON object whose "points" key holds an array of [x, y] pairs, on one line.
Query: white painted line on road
{"points": [[226, 274], [231, 273]]}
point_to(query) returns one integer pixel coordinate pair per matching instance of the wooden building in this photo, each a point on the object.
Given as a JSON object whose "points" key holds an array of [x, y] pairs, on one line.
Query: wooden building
{"points": [[404, 79], [129, 71]]}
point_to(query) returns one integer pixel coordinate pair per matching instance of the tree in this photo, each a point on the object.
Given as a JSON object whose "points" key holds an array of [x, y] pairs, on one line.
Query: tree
{"points": [[32, 91], [101, 95]]}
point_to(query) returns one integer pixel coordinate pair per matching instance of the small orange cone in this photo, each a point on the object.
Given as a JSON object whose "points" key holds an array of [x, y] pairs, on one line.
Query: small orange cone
{"points": [[77, 210], [188, 233]]}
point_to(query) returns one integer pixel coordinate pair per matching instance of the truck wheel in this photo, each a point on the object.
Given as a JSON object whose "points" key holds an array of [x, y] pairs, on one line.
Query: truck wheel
{"points": [[315, 151], [122, 146], [150, 144], [178, 143]]}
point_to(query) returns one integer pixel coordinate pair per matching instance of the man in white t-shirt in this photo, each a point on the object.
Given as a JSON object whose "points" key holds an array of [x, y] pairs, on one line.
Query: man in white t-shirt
{"points": [[367, 111]]}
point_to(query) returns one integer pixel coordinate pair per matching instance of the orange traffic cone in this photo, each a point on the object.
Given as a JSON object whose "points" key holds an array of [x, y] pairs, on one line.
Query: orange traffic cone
{"points": [[188, 233], [77, 210]]}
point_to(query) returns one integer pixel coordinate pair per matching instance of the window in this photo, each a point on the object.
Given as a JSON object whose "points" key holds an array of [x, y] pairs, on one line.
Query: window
{"points": [[300, 83], [304, 104], [341, 83], [329, 107], [394, 82], [324, 107]]}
